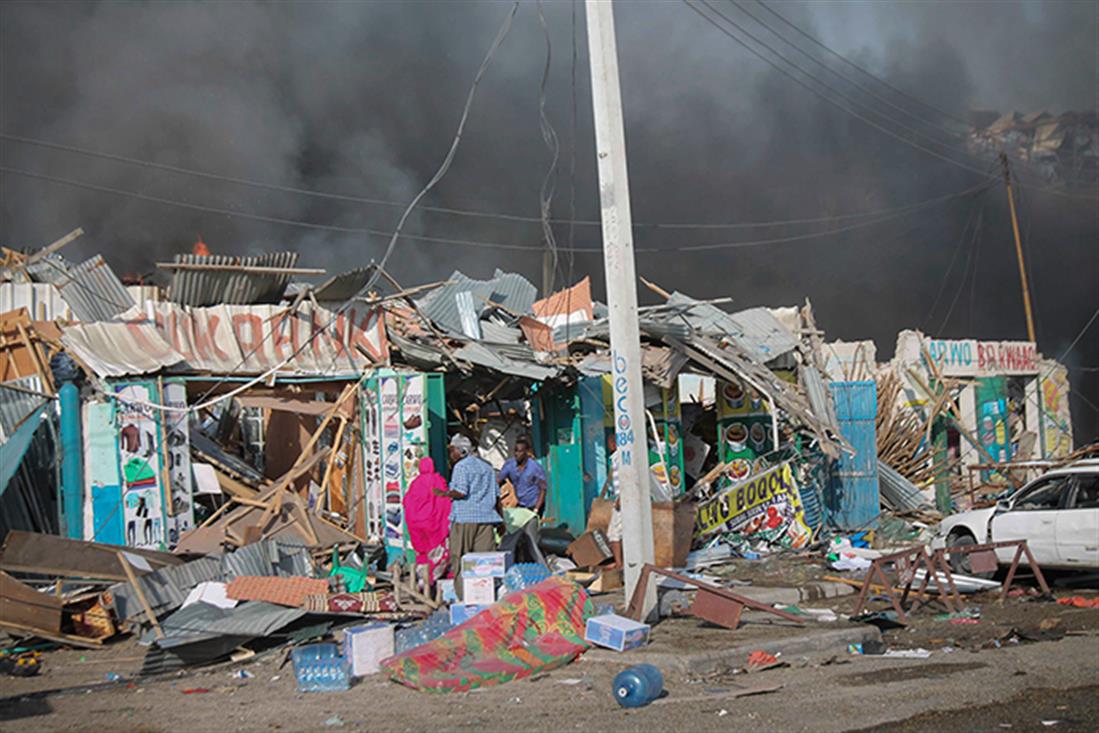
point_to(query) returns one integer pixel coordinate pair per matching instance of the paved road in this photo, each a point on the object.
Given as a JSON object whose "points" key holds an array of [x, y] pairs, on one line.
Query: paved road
{"points": [[861, 693]]}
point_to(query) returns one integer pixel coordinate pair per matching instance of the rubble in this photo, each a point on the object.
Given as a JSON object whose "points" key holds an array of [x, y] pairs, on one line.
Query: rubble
{"points": [[247, 440]]}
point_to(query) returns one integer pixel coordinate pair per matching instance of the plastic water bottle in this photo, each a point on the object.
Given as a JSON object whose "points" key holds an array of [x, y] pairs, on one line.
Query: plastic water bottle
{"points": [[638, 685]]}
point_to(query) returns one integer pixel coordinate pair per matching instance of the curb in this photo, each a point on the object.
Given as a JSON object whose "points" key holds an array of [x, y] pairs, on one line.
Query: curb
{"points": [[830, 640]]}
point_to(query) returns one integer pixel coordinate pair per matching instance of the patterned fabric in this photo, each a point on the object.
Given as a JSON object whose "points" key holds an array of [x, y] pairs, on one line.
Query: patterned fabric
{"points": [[474, 477], [527, 632], [367, 602]]}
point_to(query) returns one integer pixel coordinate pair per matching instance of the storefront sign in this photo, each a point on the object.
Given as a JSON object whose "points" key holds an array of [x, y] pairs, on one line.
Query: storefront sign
{"points": [[768, 504], [972, 358]]}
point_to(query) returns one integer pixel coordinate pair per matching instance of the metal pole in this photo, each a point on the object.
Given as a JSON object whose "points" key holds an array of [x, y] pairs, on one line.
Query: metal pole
{"points": [[618, 261], [1018, 249]]}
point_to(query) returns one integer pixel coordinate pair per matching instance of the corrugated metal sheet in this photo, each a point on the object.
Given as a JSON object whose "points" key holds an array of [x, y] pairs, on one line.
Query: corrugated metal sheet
{"points": [[897, 492], [416, 353], [494, 357], [143, 294], [820, 398], [755, 329], [853, 500], [509, 289], [167, 588], [42, 301], [494, 333], [268, 558], [201, 621], [211, 287], [234, 339], [15, 404], [120, 349], [343, 287], [91, 288]]}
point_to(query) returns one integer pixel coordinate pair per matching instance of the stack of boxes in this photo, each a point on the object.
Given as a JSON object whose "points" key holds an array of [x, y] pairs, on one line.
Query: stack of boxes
{"points": [[482, 581]]}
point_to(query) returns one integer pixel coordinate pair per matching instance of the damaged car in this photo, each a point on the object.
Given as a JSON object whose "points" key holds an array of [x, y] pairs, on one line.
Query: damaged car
{"points": [[1056, 513]]}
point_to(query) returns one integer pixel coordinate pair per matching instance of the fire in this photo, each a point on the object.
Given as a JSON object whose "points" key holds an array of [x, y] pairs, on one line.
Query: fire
{"points": [[200, 248]]}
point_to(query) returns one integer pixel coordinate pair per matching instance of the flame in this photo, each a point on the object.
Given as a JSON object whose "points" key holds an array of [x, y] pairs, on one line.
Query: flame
{"points": [[200, 248]]}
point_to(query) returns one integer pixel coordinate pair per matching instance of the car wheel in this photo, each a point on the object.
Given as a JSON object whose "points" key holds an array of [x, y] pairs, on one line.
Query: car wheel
{"points": [[959, 563]]}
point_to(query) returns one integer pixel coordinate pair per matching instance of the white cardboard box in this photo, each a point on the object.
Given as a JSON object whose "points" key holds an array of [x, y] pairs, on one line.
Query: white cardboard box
{"points": [[616, 632], [364, 647], [478, 591], [485, 564]]}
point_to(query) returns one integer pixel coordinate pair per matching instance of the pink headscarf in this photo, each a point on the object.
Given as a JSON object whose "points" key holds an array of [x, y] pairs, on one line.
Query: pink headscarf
{"points": [[427, 514]]}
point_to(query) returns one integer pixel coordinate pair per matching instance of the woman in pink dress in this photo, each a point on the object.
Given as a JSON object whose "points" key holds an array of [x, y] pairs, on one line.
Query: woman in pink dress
{"points": [[427, 516]]}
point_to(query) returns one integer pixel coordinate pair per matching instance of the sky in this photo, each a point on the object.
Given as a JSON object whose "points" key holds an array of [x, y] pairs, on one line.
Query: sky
{"points": [[364, 98]]}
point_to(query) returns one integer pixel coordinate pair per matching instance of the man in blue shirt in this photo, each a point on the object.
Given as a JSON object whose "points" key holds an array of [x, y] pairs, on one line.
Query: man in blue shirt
{"points": [[526, 476], [473, 515]]}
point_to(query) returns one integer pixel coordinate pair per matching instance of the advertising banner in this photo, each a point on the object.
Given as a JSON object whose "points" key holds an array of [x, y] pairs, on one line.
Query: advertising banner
{"points": [[767, 506]]}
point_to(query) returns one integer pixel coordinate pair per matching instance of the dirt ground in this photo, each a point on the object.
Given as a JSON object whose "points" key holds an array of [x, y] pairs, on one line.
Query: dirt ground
{"points": [[980, 677]]}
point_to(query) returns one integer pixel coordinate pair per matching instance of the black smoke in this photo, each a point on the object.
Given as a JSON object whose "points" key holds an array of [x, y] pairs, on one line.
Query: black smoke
{"points": [[363, 98]]}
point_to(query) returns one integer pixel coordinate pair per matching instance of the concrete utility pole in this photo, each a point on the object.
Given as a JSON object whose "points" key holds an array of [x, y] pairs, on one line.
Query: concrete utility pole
{"points": [[618, 261], [1018, 249]]}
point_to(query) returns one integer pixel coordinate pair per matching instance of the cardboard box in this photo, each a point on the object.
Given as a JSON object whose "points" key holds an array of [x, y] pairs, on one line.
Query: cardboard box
{"points": [[616, 632], [479, 591], [446, 588], [590, 549], [607, 580], [485, 564], [462, 612], [364, 647]]}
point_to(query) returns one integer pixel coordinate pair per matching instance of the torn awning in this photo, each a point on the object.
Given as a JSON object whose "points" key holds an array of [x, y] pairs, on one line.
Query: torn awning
{"points": [[233, 339]]}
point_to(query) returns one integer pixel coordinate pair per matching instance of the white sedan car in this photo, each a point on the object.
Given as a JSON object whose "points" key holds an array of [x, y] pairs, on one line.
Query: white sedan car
{"points": [[1057, 514]]}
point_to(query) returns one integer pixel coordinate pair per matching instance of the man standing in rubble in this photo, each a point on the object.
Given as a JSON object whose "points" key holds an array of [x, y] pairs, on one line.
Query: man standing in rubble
{"points": [[473, 514], [526, 475]]}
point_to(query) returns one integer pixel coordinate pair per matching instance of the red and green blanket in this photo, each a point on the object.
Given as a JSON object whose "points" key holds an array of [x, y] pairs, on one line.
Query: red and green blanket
{"points": [[529, 631]]}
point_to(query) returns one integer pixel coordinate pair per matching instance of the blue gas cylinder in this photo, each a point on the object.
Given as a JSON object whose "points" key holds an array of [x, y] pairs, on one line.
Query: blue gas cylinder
{"points": [[638, 685]]}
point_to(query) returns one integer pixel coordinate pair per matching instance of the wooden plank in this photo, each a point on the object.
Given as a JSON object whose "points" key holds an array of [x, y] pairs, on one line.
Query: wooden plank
{"points": [[31, 552], [140, 594], [60, 638], [20, 604]]}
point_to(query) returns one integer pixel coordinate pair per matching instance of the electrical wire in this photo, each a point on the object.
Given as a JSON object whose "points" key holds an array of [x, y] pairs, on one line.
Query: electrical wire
{"points": [[572, 221], [442, 170], [886, 215], [869, 92], [965, 272], [858, 68], [823, 83], [950, 268], [549, 136], [881, 81]]}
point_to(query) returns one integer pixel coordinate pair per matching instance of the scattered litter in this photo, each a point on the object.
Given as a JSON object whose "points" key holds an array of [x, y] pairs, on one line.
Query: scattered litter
{"points": [[908, 653], [1079, 602], [334, 722], [1050, 723], [243, 674], [195, 691]]}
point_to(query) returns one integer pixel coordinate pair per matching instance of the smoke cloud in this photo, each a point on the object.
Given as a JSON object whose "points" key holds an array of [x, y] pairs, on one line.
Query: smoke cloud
{"points": [[363, 98]]}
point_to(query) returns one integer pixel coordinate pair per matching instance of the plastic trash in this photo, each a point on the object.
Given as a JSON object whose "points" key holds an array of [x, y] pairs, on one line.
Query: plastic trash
{"points": [[113, 676], [638, 685], [525, 574], [320, 668]]}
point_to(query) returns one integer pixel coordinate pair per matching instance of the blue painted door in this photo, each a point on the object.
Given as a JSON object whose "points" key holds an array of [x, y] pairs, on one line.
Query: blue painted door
{"points": [[852, 500]]}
